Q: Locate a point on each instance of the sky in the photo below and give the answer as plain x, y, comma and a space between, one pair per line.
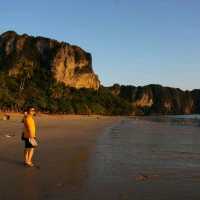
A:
132, 42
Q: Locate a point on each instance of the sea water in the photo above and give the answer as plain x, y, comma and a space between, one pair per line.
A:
193, 120
167, 147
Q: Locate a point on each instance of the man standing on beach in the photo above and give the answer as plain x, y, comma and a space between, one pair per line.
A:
29, 137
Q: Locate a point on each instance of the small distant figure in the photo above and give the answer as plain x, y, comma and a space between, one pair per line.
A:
29, 136
6, 117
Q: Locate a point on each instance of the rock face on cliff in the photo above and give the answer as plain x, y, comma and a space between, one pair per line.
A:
156, 99
23, 54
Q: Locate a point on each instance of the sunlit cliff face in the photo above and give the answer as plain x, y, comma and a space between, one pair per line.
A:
68, 64
145, 101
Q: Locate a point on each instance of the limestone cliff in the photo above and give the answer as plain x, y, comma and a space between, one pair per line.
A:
156, 99
32, 68
23, 54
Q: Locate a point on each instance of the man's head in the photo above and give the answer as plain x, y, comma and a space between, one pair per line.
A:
31, 111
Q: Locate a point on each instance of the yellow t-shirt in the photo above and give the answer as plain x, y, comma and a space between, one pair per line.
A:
29, 125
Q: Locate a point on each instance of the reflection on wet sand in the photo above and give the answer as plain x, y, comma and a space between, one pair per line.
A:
139, 159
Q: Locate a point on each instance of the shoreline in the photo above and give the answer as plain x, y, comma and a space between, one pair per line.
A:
64, 115
97, 115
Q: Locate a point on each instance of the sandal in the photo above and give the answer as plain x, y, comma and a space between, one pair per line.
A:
29, 164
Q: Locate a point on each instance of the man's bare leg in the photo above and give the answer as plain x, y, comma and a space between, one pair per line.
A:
30, 155
26, 155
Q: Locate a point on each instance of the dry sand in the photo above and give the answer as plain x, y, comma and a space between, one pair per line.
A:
101, 158
65, 146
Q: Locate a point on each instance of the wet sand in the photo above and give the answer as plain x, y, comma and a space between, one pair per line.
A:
139, 159
103, 158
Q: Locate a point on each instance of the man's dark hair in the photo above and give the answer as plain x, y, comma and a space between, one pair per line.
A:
29, 108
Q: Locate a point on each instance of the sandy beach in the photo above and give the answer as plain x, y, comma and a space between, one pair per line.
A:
95, 157
65, 146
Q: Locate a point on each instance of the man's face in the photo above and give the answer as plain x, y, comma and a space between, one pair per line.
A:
32, 111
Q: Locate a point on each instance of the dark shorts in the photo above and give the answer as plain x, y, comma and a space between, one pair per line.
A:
28, 144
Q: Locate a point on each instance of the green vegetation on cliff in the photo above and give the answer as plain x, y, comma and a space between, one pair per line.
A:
47, 95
